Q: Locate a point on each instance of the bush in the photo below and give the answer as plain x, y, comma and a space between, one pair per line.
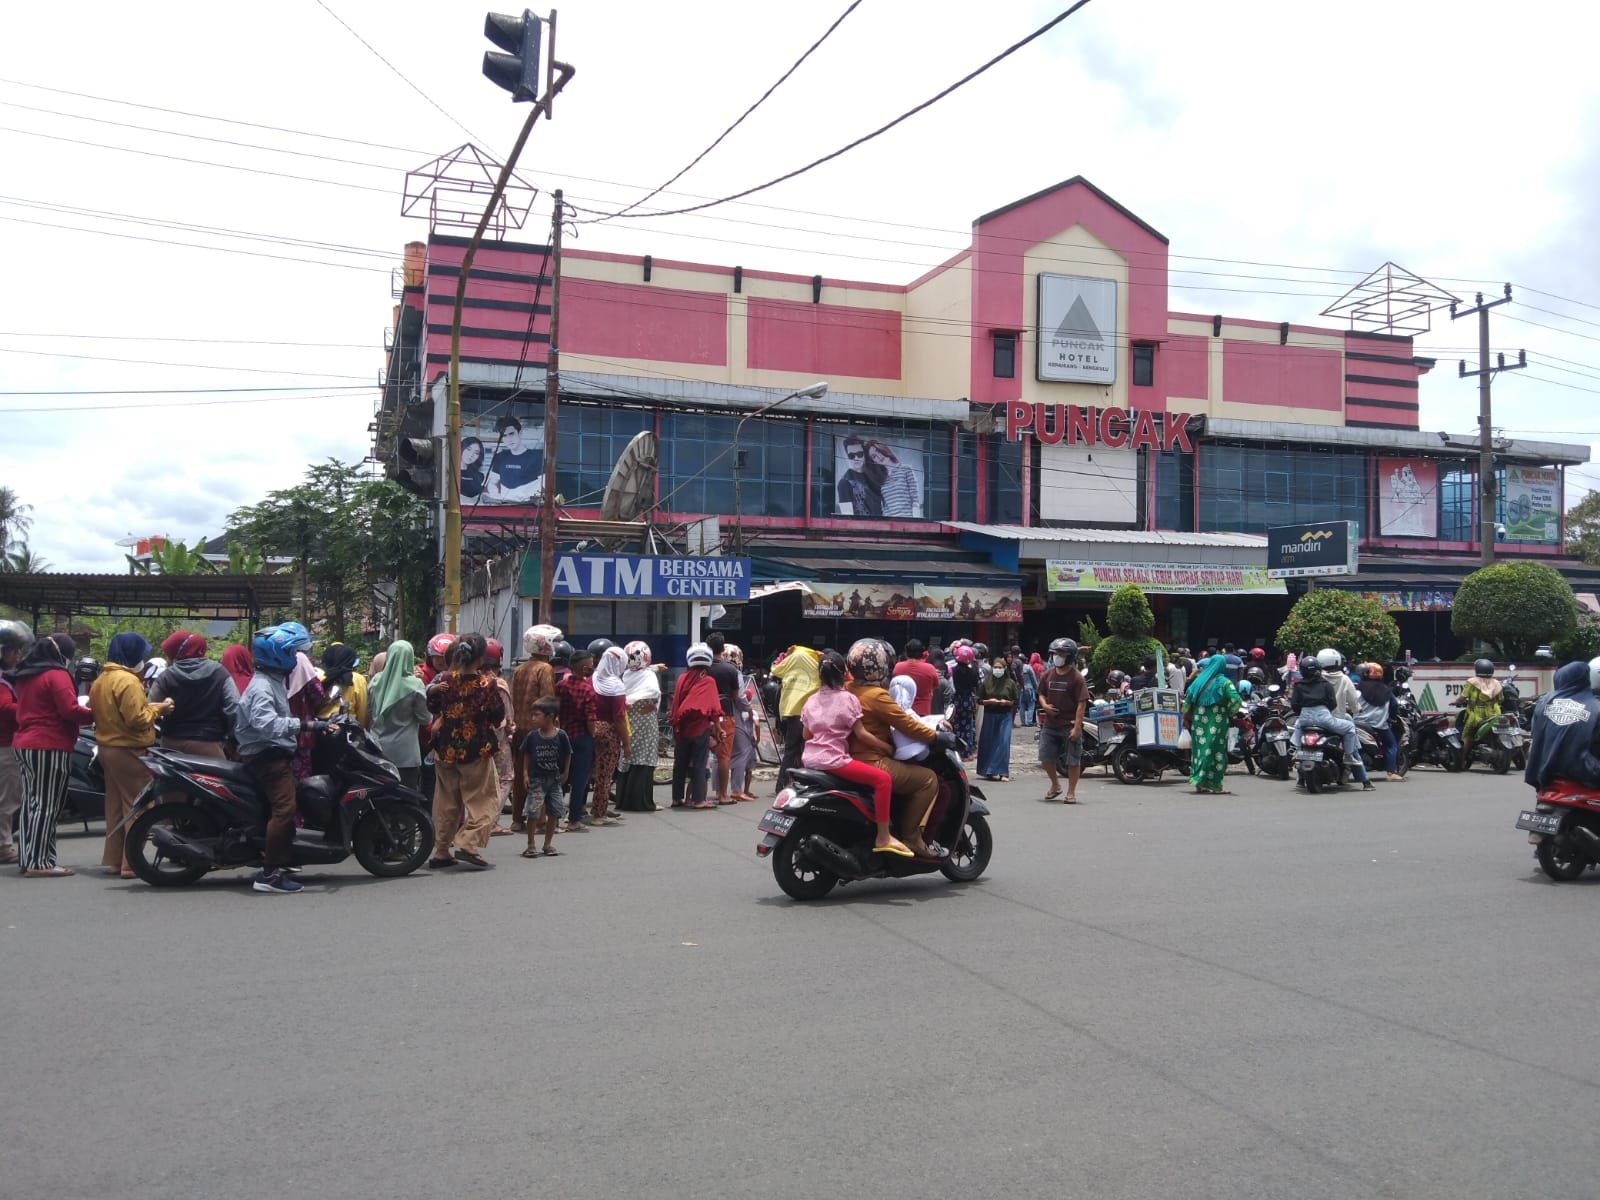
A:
1359, 629
1516, 607
1089, 634
1116, 653
1128, 613
1582, 644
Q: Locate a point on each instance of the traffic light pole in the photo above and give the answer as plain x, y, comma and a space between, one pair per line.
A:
552, 390
452, 420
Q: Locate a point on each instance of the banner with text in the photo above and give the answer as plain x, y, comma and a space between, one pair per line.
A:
860, 601
1533, 510
1071, 575
968, 603
638, 577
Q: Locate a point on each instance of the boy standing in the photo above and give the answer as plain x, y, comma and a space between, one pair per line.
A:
547, 752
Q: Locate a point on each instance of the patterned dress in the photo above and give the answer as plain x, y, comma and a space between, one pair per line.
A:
1208, 738
964, 713
644, 746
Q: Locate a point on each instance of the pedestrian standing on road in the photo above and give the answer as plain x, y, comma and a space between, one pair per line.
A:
507, 733
964, 717
577, 698
944, 692
468, 712
203, 694
921, 672
548, 753
268, 734
48, 719
399, 706
1028, 708
532, 681
306, 699
696, 719
124, 726
1063, 700
997, 695
16, 639
1208, 707
339, 663
726, 676
610, 730
796, 670
636, 793
237, 662
741, 765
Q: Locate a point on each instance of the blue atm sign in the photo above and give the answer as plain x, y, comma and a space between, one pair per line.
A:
637, 577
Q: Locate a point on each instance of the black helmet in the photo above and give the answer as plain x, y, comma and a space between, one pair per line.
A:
1484, 668
1256, 676
1115, 678
561, 653
599, 646
15, 635
1310, 668
86, 670
1065, 646
980, 649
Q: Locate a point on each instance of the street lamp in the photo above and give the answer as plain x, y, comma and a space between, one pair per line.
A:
815, 392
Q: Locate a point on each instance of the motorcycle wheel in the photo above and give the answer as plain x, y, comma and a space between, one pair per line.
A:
1557, 860
797, 877
1311, 781
1127, 767
146, 859
1249, 762
1449, 761
971, 853
392, 843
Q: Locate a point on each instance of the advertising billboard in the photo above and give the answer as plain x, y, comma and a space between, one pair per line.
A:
1325, 548
1533, 507
1179, 579
1408, 497
876, 477
860, 601
502, 460
1077, 329
968, 603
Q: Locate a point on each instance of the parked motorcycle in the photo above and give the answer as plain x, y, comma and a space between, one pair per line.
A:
206, 814
819, 832
1133, 763
1102, 739
1435, 740
1564, 827
1242, 741
1273, 751
86, 783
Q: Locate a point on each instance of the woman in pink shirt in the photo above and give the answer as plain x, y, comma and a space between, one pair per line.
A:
48, 719
829, 719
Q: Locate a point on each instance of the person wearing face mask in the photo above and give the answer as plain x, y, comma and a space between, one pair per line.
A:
1063, 700
997, 696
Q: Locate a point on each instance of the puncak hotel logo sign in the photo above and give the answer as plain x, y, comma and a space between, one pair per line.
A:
1086, 425
1077, 329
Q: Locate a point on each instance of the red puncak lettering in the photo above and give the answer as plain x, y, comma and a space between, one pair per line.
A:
1175, 433
1113, 427
1144, 431
1042, 429
1019, 416
1080, 426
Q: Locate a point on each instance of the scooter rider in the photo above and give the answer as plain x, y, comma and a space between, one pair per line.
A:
1314, 700
1480, 698
869, 661
1566, 730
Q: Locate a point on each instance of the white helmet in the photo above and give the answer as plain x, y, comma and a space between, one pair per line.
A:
1594, 674
699, 655
1330, 659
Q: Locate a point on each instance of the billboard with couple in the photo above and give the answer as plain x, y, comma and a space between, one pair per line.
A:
876, 478
502, 461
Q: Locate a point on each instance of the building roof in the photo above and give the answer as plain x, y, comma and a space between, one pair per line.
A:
1135, 537
1400, 440
197, 595
1075, 181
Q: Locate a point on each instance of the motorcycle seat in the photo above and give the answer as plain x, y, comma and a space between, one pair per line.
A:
827, 781
224, 767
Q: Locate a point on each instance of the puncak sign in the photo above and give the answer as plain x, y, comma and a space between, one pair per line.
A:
1086, 425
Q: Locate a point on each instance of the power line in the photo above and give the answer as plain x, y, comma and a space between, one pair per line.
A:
353, 387
150, 362
839, 20
141, 337
401, 74
55, 408
882, 129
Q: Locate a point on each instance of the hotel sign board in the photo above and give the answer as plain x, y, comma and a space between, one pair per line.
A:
1325, 548
1077, 329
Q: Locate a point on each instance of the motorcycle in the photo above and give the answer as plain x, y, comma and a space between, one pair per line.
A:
1101, 740
1498, 743
199, 815
1273, 750
1435, 740
1242, 741
1564, 827
819, 832
1132, 763
86, 783
1319, 760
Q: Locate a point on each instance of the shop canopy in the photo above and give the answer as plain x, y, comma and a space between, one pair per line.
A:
219, 597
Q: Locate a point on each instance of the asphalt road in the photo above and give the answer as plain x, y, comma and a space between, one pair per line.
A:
1149, 995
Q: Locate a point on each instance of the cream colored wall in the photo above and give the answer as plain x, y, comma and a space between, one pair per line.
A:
1216, 404
1075, 251
936, 339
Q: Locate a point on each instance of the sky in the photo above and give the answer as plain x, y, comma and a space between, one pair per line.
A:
1299, 146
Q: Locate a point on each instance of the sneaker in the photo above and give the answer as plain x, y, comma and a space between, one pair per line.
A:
276, 881
1366, 786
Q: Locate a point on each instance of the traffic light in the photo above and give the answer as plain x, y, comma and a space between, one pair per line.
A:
416, 468
518, 69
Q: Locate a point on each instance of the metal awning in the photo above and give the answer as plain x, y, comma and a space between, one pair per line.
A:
220, 597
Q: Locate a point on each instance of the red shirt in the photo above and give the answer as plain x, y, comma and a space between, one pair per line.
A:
578, 706
8, 713
926, 676
48, 713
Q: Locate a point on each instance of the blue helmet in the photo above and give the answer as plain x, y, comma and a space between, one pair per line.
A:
275, 646
1245, 688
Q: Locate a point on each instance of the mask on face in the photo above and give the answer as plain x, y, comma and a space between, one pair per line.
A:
1059, 660
999, 670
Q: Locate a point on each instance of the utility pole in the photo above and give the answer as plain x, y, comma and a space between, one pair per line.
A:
552, 391
1485, 374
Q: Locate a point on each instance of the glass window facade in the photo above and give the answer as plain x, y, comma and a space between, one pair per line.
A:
1005, 481
697, 465
591, 439
1247, 489
1174, 490
894, 471
1456, 507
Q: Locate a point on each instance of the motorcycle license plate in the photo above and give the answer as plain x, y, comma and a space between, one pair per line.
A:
1307, 758
776, 822
1538, 822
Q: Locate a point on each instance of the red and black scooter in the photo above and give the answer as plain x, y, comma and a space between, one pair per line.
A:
819, 831
1564, 827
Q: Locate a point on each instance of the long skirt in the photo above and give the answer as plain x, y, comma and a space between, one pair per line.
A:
964, 720
1208, 747
994, 743
744, 750
636, 792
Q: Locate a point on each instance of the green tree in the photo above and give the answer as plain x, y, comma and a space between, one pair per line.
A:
15, 522
1582, 644
1583, 529
243, 561
1359, 629
1088, 633
1130, 620
1515, 607
24, 561
174, 558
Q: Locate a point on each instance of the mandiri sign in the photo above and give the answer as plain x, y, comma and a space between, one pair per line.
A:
638, 577
1326, 548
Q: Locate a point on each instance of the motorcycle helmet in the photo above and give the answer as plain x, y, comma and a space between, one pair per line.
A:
275, 646
1594, 674
536, 644
599, 646
699, 655
152, 670
15, 635
491, 654
1245, 688
981, 649
1115, 679
1483, 668
1067, 648
1371, 670
561, 653
439, 644
549, 632
964, 654
1256, 676
85, 670
867, 661
1258, 654
1310, 668
638, 655
1329, 659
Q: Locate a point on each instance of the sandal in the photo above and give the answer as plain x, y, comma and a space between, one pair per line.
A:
468, 859
549, 852
530, 852
439, 863
1053, 794
503, 831
703, 804
49, 873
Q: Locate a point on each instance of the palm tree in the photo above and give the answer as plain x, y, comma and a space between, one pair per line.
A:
14, 520
26, 562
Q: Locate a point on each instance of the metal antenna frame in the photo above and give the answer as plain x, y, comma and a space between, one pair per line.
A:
451, 190
1391, 300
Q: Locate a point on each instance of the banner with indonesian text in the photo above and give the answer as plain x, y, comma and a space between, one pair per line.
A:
1073, 575
879, 601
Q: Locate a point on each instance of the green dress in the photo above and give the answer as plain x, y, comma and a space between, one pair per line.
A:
1208, 738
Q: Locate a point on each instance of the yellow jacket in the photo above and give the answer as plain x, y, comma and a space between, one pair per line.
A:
798, 671
122, 715
354, 696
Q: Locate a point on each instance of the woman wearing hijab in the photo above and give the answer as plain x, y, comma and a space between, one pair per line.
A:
1209, 703
610, 730
998, 696
48, 719
124, 726
237, 662
741, 765
305, 701
643, 696
398, 704
203, 695
964, 678
1031, 672
696, 718
339, 664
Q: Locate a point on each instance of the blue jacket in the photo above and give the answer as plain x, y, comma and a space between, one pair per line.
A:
1566, 732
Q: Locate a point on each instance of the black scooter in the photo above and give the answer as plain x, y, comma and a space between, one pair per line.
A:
206, 814
819, 831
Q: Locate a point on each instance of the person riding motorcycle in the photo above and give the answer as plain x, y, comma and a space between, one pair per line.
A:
1314, 700
1479, 700
1566, 730
1116, 683
869, 661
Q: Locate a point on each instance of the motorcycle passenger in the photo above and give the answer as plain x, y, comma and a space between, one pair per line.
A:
1566, 730
1480, 700
204, 698
1116, 684
1313, 702
339, 663
1063, 700
835, 733
1146, 676
1377, 706
268, 736
869, 661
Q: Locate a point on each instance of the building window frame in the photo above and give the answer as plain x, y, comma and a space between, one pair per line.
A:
1004, 353
1143, 373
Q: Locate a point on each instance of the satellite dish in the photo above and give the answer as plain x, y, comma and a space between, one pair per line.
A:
632, 485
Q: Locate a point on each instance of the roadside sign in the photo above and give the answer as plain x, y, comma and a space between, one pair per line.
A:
1324, 548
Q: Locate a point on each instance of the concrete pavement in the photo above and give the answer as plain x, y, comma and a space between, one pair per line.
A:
1150, 994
